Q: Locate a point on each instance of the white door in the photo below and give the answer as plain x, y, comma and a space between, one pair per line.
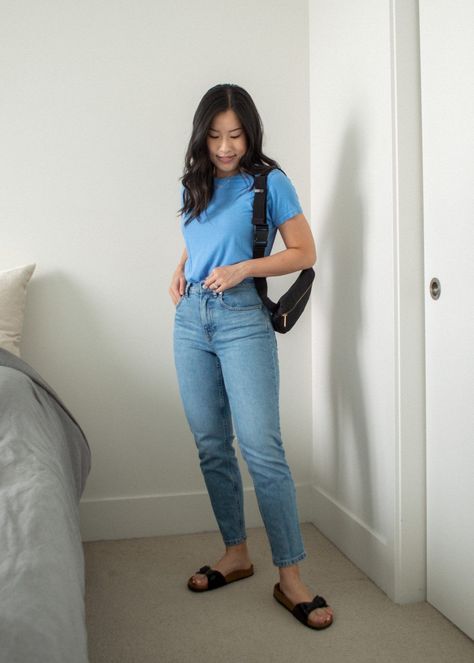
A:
447, 99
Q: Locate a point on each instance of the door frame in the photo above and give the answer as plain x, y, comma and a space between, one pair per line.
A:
409, 583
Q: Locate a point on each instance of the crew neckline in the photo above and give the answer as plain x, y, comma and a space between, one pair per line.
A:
229, 177
231, 180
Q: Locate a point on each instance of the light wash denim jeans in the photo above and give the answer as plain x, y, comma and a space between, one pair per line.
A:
227, 366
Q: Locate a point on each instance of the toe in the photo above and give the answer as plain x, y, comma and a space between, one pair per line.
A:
320, 617
199, 579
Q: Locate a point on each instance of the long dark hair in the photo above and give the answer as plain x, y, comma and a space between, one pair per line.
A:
198, 177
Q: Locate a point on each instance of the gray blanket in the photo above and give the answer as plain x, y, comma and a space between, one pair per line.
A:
44, 463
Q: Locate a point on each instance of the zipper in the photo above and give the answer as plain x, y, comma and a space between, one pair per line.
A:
297, 301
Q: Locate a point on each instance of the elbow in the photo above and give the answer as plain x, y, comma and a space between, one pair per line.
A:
309, 260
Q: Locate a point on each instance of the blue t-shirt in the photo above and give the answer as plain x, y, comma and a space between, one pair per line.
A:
223, 233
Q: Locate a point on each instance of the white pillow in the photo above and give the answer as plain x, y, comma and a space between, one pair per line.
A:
13, 284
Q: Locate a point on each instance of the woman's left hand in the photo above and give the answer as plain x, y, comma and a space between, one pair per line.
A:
222, 278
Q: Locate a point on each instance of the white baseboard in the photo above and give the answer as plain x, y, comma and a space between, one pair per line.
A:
188, 513
367, 549
161, 515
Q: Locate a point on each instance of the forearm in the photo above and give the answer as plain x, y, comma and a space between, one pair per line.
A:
283, 262
182, 260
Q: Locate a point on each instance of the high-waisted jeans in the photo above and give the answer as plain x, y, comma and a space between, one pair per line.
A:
227, 366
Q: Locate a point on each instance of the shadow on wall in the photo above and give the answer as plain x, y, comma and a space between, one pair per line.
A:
342, 245
112, 378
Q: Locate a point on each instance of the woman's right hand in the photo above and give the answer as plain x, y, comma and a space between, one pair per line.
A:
177, 286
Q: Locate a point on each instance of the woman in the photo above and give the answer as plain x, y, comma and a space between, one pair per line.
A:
224, 344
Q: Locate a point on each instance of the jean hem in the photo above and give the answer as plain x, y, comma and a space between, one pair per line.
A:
290, 562
235, 542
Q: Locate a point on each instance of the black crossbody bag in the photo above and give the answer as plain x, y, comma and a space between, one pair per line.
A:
286, 311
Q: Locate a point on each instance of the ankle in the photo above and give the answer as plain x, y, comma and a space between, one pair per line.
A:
239, 550
289, 573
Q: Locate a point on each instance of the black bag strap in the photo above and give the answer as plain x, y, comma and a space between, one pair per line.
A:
260, 231
260, 235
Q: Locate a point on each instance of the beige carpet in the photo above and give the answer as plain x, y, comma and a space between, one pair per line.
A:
139, 610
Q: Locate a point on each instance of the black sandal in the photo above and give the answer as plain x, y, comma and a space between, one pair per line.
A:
215, 578
301, 610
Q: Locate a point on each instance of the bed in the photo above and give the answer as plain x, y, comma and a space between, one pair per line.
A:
44, 463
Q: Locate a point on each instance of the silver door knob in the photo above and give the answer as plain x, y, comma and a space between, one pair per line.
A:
435, 288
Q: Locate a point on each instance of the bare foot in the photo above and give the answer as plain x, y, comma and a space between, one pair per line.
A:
298, 592
231, 561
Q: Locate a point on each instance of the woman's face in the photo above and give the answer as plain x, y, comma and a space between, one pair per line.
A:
226, 142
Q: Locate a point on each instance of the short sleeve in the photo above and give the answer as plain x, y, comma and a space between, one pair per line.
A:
282, 200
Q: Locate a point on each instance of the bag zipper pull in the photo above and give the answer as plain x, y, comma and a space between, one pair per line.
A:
294, 305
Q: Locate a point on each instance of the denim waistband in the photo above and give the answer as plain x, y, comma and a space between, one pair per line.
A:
198, 288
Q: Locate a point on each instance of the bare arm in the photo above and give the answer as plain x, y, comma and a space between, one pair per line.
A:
178, 282
300, 253
183, 259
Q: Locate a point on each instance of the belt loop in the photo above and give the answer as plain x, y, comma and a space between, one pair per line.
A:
186, 291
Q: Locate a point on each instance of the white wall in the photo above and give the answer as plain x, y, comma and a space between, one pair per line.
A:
97, 104
368, 473
95, 117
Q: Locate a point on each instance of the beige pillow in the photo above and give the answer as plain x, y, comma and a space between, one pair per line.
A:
13, 284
